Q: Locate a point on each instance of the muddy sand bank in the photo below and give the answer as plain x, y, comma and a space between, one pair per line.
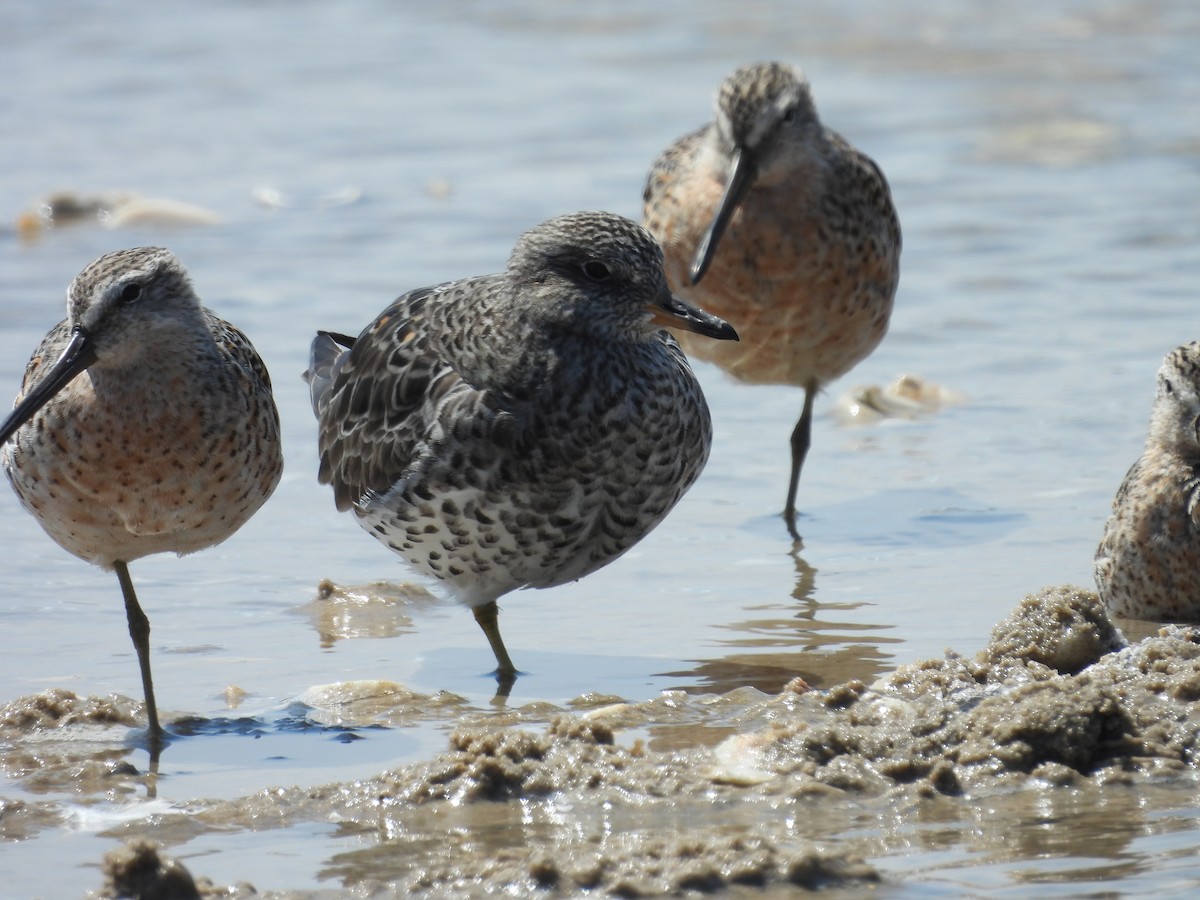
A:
1058, 716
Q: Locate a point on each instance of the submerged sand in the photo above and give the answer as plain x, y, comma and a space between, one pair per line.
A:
1058, 715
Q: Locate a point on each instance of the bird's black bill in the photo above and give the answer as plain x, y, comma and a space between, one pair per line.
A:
741, 174
80, 354
671, 312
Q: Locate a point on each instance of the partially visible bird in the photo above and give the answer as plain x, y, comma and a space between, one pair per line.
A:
144, 424
776, 223
1148, 563
520, 429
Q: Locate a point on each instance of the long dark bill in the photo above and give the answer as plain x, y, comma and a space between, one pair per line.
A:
78, 355
741, 176
671, 312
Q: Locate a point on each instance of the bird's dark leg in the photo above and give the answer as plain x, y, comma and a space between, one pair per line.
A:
488, 617
139, 630
801, 441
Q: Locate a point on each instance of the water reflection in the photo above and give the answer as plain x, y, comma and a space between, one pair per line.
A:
822, 650
1066, 836
377, 610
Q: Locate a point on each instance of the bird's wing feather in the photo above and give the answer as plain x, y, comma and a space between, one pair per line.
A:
237, 349
664, 170
860, 175
375, 400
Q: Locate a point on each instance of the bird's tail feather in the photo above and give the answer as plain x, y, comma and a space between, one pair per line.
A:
325, 358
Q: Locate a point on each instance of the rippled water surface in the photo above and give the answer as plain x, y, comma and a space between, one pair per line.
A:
1045, 161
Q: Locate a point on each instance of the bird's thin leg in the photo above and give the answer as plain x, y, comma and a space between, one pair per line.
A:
488, 617
801, 441
139, 630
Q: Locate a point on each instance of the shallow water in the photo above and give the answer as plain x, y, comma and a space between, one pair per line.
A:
1045, 165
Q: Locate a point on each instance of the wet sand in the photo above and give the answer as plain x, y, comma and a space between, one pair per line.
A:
1058, 725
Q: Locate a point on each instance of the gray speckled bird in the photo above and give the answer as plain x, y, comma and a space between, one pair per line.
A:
776, 223
145, 424
520, 429
1148, 562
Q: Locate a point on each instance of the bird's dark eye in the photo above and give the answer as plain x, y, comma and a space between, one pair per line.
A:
130, 293
596, 271
1167, 389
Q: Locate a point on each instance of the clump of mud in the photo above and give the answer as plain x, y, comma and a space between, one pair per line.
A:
139, 871
1057, 694
57, 708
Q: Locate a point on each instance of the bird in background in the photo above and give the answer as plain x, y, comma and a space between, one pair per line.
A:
520, 429
1148, 563
145, 424
777, 224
